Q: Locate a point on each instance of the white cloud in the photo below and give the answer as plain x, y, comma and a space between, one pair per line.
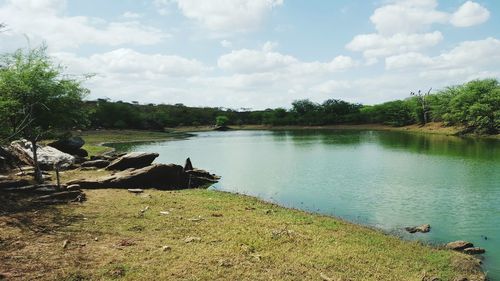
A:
376, 45
131, 15
469, 14
407, 16
130, 62
267, 60
226, 15
44, 20
408, 60
226, 44
403, 26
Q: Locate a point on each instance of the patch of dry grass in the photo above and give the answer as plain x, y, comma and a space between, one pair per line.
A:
206, 235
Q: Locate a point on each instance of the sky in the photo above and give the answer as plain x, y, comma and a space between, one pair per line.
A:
260, 53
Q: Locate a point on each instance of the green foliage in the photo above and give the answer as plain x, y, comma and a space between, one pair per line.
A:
36, 99
221, 120
475, 105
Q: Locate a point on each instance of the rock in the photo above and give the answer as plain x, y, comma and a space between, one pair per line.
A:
71, 146
474, 250
158, 176
47, 156
192, 239
65, 243
133, 160
96, 163
135, 190
166, 248
62, 197
188, 166
73, 187
422, 228
11, 183
459, 245
222, 128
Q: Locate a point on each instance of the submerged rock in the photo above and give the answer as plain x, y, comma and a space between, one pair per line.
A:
422, 228
134, 160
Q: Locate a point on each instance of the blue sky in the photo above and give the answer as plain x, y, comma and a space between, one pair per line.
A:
261, 53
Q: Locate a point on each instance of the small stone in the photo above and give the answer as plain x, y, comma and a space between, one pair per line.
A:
422, 228
73, 187
145, 209
65, 243
96, 239
192, 239
135, 190
474, 251
166, 248
164, 213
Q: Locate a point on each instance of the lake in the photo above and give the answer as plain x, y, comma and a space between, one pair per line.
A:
388, 180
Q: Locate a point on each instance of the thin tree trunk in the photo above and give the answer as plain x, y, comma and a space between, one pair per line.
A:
38, 172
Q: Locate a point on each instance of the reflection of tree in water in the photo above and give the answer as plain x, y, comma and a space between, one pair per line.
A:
441, 145
338, 137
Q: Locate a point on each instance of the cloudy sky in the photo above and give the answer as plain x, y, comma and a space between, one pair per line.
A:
261, 53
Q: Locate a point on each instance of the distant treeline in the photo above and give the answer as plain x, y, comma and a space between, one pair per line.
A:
474, 105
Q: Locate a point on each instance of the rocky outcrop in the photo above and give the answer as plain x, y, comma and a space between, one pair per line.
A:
71, 146
474, 251
459, 245
96, 163
465, 247
158, 176
47, 155
422, 228
134, 160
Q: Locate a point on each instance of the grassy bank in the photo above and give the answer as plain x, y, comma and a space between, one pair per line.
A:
206, 235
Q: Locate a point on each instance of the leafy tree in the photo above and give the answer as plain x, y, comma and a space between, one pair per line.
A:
221, 120
475, 105
36, 99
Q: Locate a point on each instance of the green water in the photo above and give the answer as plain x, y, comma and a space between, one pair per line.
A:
384, 179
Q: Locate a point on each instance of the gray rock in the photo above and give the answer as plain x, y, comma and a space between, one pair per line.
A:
158, 176
474, 251
71, 146
459, 245
422, 228
133, 160
96, 163
73, 187
47, 155
135, 190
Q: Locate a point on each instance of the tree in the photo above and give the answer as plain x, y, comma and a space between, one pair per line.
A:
221, 120
424, 105
36, 99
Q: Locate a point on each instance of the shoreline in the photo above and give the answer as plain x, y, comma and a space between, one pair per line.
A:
431, 128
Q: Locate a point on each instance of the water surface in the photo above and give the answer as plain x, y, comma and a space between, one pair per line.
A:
385, 179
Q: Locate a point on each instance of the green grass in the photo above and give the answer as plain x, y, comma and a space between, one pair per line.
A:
241, 238
94, 140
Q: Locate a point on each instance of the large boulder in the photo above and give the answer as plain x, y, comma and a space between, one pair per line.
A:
134, 160
47, 155
459, 245
158, 176
71, 146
